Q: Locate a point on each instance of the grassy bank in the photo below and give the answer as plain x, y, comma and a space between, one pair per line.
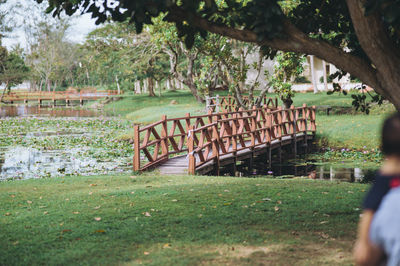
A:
350, 131
177, 220
145, 109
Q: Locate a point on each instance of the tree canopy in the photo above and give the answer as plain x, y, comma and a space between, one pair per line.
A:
360, 37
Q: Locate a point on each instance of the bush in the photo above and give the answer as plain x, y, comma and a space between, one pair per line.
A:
301, 79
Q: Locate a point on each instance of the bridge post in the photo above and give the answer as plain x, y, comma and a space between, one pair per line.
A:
217, 104
253, 128
279, 132
313, 125
269, 157
268, 137
164, 136
292, 116
304, 127
136, 148
251, 163
192, 159
215, 146
187, 121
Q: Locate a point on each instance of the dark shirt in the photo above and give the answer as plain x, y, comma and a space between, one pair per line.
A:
379, 189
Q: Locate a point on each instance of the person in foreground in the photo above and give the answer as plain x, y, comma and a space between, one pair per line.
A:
379, 226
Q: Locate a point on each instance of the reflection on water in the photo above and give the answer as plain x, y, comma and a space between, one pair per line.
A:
25, 163
26, 110
324, 171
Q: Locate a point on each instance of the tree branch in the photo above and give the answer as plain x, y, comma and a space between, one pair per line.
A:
294, 40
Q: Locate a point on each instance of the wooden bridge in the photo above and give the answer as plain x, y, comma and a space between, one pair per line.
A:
203, 144
53, 97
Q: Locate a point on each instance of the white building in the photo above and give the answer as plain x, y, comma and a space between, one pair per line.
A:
317, 71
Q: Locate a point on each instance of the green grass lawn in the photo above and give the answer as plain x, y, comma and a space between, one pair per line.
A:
147, 109
350, 131
322, 98
177, 220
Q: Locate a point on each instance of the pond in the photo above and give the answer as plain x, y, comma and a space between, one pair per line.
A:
311, 168
37, 147
24, 163
45, 111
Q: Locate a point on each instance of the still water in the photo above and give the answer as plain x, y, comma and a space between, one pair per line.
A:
312, 169
43, 111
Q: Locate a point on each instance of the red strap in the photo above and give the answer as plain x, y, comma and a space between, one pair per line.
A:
395, 182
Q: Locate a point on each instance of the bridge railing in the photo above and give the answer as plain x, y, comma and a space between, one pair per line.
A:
246, 132
155, 143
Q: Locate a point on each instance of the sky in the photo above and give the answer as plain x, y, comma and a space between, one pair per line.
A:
81, 26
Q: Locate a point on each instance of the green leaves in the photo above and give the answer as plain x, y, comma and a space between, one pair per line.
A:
390, 10
264, 18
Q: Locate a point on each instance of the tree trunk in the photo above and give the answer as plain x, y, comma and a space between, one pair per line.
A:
171, 85
287, 102
188, 80
116, 80
380, 49
4, 91
145, 85
54, 86
151, 87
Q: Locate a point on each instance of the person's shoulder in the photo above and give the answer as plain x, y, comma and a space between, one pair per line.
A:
392, 181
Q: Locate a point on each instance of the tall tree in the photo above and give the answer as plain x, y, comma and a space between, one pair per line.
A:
212, 62
288, 66
114, 53
50, 55
360, 37
13, 71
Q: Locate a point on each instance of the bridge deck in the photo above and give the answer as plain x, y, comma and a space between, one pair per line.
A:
179, 164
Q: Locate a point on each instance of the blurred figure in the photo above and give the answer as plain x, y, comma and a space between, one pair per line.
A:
373, 243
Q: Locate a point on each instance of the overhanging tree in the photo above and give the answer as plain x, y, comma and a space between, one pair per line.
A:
360, 37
